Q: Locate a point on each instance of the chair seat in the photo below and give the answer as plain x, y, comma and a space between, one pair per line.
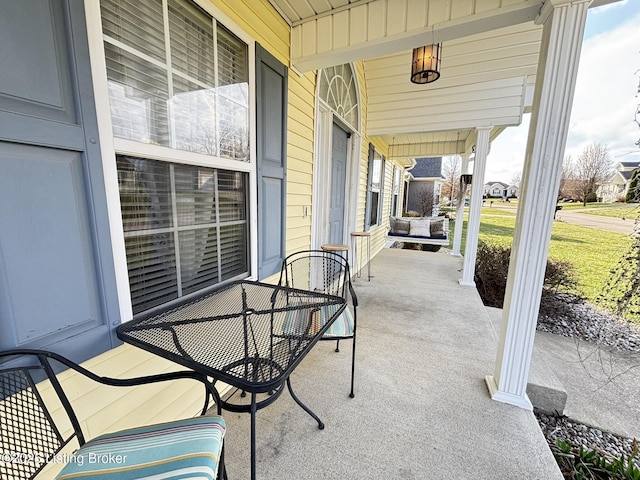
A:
188, 448
342, 326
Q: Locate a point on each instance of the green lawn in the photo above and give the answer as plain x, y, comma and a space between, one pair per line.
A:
625, 210
593, 252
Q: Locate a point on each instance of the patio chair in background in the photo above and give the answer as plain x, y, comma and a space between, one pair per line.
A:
328, 273
30, 438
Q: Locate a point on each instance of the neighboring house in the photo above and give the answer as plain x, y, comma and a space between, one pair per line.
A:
425, 186
150, 150
513, 191
495, 190
617, 185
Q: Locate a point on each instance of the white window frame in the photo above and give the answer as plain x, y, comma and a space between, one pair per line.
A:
395, 190
377, 156
110, 146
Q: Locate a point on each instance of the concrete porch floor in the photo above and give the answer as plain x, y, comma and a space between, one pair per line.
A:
421, 410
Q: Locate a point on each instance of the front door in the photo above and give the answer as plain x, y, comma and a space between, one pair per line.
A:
338, 178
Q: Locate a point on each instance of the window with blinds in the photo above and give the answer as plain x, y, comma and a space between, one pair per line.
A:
179, 79
374, 197
176, 77
185, 228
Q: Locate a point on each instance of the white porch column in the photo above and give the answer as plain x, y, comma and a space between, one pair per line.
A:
473, 224
457, 235
557, 69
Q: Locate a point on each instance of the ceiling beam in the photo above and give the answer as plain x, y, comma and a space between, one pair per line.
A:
378, 27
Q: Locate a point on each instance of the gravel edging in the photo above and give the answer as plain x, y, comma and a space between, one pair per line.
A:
570, 316
563, 428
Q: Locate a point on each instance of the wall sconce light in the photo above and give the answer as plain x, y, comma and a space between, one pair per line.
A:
425, 67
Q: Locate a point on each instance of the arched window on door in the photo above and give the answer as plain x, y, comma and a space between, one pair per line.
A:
338, 90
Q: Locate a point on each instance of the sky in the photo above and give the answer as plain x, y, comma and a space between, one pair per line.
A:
605, 99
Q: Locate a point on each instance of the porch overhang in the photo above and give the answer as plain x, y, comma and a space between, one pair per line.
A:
365, 29
490, 57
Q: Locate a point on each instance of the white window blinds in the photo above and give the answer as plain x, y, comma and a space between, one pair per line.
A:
185, 228
184, 86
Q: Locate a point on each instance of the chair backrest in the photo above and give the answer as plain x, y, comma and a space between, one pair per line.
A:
29, 437
317, 271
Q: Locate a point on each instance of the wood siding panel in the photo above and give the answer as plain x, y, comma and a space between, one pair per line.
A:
416, 13
439, 11
326, 31
397, 18
340, 30
376, 22
357, 23
462, 8
485, 5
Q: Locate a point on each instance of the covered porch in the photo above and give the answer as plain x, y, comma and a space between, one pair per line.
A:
422, 408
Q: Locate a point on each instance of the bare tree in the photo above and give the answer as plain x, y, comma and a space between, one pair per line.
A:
425, 197
565, 177
591, 168
451, 170
516, 180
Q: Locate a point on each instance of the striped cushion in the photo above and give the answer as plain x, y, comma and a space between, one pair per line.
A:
342, 327
302, 321
176, 450
297, 321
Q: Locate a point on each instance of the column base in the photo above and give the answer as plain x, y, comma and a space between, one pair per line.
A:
467, 284
503, 397
456, 254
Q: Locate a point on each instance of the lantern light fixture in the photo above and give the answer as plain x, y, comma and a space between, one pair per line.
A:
425, 67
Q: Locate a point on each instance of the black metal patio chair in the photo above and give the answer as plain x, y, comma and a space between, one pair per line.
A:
30, 438
328, 273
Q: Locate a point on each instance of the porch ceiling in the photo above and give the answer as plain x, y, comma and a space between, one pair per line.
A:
486, 80
490, 56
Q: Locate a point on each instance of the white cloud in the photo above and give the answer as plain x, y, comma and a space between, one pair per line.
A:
604, 105
608, 6
605, 98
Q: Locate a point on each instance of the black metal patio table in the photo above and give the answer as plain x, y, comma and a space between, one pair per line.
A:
247, 334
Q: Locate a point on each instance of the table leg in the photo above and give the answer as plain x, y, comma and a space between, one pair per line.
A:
357, 260
368, 258
304, 407
253, 436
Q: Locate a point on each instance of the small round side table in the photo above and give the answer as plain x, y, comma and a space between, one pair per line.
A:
336, 247
358, 258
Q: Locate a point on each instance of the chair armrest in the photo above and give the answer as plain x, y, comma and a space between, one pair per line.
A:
352, 292
45, 357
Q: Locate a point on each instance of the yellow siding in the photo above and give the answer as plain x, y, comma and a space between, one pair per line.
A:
103, 409
262, 22
300, 150
378, 234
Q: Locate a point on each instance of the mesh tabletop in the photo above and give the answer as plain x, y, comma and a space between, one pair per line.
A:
247, 334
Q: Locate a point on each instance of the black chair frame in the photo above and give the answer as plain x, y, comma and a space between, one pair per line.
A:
20, 371
336, 280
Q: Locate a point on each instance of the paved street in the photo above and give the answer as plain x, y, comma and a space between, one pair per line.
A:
576, 217
609, 224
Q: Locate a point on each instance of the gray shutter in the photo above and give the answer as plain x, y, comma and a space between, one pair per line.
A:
367, 213
381, 194
271, 89
57, 279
